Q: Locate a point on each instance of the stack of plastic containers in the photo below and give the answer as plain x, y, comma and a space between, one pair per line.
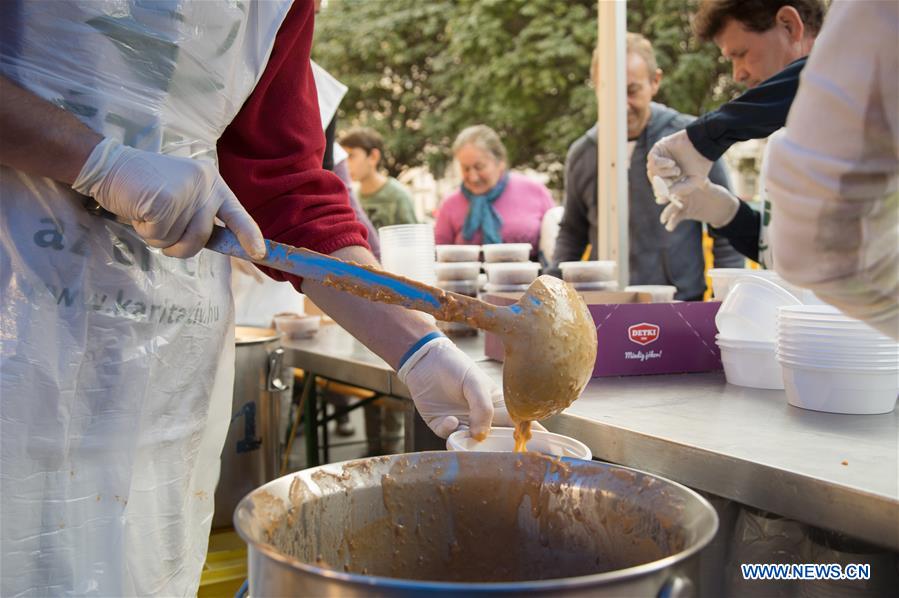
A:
747, 323
508, 268
458, 269
835, 363
408, 250
591, 276
506, 252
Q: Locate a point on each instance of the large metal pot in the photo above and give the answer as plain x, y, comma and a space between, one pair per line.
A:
473, 523
252, 451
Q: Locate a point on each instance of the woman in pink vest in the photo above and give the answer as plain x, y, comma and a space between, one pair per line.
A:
493, 205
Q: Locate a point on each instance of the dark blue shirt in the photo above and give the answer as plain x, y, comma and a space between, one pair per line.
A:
754, 115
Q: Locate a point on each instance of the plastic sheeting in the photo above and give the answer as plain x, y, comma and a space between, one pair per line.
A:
117, 362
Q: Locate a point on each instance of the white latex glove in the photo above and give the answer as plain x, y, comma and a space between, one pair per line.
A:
709, 203
450, 390
171, 202
676, 161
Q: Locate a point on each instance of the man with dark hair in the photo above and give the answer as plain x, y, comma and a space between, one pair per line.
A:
768, 42
656, 256
384, 199
714, 16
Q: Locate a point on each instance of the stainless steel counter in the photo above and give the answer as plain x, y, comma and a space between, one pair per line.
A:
834, 471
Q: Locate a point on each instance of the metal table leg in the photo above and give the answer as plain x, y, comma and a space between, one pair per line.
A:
409, 428
323, 424
310, 416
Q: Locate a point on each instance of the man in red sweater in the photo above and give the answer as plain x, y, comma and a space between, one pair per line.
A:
109, 409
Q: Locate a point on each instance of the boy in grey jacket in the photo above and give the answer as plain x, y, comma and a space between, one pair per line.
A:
656, 255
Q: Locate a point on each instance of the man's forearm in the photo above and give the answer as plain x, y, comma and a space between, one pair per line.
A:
388, 330
40, 138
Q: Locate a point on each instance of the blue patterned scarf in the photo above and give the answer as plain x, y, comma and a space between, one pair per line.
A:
482, 215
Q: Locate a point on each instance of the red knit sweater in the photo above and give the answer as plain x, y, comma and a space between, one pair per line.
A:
271, 153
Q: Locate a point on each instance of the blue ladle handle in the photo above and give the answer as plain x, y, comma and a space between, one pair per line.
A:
365, 281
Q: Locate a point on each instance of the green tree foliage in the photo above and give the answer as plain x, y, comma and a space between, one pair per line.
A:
420, 71
695, 76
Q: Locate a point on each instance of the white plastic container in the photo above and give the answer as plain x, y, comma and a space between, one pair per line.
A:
848, 391
458, 270
408, 250
824, 316
815, 329
512, 272
821, 314
723, 280
501, 440
836, 347
506, 252
823, 332
584, 272
749, 312
750, 364
297, 326
829, 362
661, 293
458, 253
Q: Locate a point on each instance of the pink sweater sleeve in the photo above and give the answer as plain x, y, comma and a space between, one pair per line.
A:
447, 214
548, 201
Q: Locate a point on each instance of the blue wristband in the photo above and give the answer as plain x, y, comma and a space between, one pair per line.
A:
418, 345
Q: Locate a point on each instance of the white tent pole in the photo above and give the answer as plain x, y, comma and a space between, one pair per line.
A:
612, 237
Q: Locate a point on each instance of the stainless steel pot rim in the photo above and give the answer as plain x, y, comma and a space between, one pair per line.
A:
251, 335
568, 582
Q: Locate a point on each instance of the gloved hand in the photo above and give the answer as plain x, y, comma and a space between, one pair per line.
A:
450, 390
171, 202
708, 203
674, 159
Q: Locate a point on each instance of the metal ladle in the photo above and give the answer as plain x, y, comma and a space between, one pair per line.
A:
548, 334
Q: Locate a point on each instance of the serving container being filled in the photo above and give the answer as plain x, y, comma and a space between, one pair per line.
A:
473, 523
502, 440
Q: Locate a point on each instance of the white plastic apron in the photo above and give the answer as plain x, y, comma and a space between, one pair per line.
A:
766, 255
116, 362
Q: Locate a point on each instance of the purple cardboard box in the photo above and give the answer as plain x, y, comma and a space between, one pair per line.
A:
637, 337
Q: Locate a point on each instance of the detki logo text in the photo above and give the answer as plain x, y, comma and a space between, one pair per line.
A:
643, 333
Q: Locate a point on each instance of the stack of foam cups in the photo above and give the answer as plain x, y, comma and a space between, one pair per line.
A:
835, 363
458, 269
408, 250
